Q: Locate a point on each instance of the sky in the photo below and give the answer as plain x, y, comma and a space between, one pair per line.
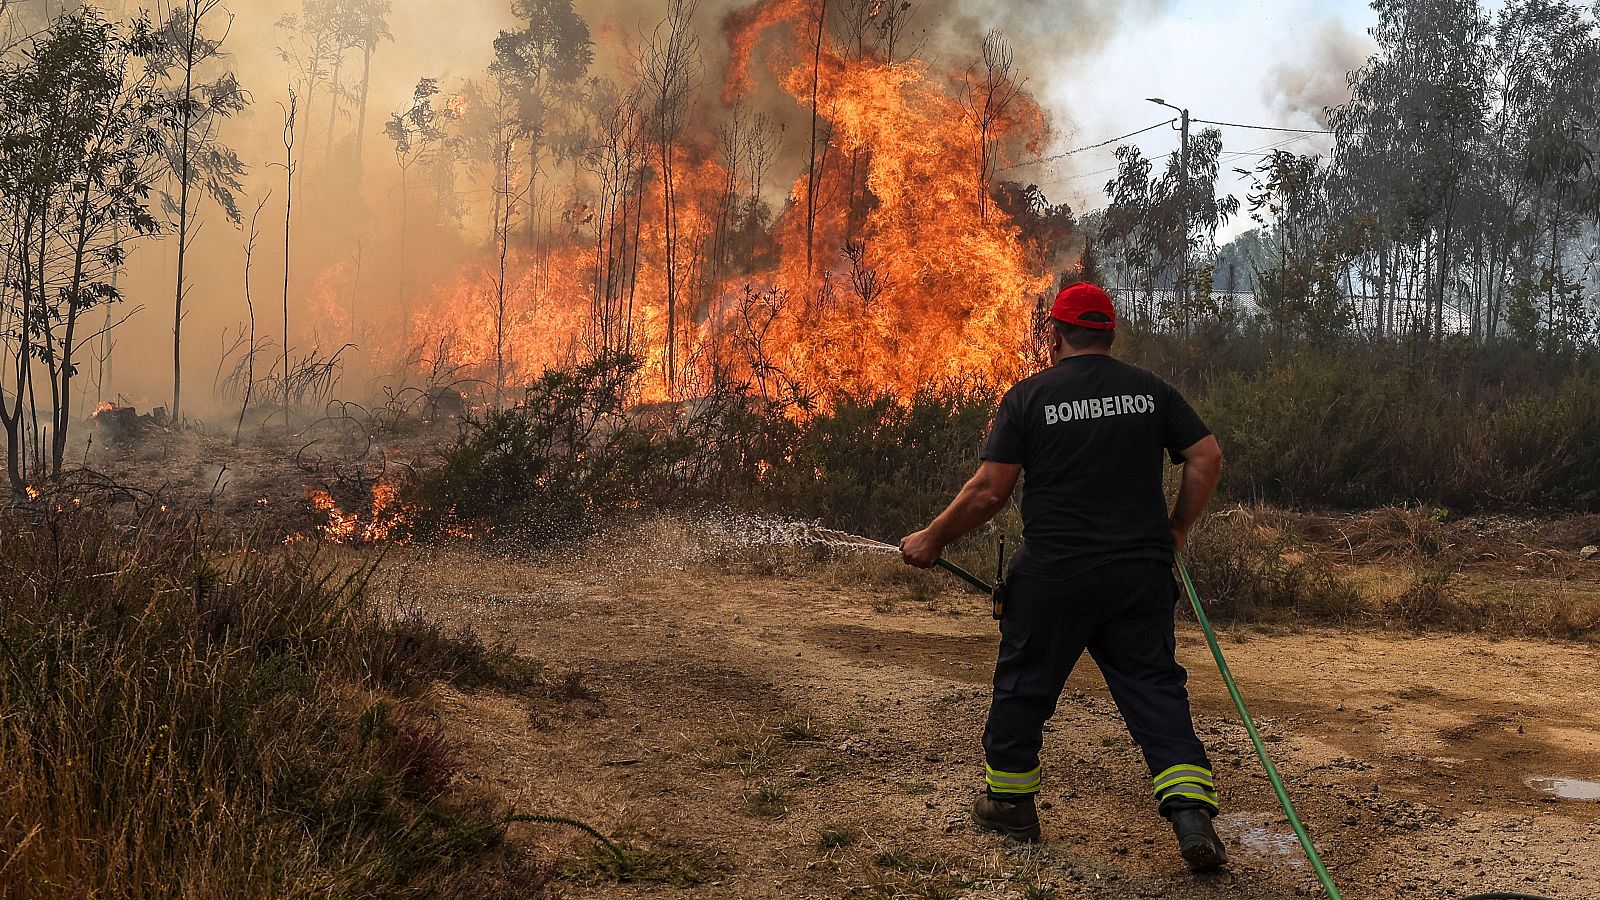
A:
1247, 61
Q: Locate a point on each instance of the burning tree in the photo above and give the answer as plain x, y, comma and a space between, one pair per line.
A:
989, 99
669, 67
668, 219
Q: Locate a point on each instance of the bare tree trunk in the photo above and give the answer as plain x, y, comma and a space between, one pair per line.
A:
670, 216
34, 460
288, 223
505, 202
333, 102
361, 114
533, 180
813, 176
250, 308
633, 271
191, 12
1445, 247
61, 385
405, 286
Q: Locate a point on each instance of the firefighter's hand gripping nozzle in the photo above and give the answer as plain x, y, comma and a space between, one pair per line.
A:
1000, 582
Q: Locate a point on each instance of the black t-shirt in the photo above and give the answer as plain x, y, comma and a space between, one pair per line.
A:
1089, 433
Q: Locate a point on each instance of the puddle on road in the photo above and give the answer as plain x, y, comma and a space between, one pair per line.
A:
1564, 788
1262, 839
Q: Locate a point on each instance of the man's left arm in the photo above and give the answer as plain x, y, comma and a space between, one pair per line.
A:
984, 495
1202, 467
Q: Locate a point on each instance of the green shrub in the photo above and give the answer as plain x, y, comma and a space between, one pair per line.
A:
1357, 430
879, 466
1354, 426
571, 453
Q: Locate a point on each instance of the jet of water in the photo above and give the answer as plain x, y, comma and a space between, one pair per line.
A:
743, 530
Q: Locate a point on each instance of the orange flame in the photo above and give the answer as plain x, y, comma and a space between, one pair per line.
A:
387, 515
912, 279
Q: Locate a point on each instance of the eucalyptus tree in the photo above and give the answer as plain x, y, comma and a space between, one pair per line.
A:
313, 43
185, 59
1409, 155
1299, 280
542, 67
1554, 101
423, 133
1155, 222
364, 25
81, 152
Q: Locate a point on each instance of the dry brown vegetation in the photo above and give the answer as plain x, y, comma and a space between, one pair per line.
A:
1416, 567
180, 718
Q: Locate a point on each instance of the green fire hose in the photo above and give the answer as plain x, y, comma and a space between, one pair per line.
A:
964, 575
1255, 736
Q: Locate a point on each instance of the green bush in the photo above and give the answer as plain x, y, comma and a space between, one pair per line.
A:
1354, 430
879, 466
1355, 426
572, 452
575, 454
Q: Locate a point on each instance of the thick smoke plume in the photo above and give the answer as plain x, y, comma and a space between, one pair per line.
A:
1303, 89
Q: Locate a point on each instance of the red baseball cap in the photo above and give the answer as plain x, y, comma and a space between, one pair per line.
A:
1077, 299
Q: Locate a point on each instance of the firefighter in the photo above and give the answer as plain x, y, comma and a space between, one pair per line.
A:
1095, 571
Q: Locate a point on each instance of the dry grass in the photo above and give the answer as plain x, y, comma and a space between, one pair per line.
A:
176, 721
1247, 567
1397, 566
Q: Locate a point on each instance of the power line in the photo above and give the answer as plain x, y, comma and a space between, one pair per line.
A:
1227, 156
1231, 155
1077, 150
1266, 127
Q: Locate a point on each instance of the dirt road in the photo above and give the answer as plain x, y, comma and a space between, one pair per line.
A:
808, 732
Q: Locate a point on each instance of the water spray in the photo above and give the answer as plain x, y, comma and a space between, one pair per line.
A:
828, 537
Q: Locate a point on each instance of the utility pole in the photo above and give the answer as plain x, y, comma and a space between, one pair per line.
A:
1183, 193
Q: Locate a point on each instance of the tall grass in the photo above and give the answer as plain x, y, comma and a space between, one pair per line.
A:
1248, 569
179, 721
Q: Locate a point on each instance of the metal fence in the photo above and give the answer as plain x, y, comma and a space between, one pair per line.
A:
1406, 314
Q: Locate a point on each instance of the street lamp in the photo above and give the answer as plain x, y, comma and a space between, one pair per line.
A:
1183, 190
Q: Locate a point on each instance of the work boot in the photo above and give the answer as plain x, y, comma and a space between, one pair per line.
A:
1016, 819
1198, 841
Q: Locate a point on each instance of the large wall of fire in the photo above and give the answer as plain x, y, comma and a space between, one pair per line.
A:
832, 214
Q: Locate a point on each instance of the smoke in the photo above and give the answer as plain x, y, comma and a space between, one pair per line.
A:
1306, 87
1045, 34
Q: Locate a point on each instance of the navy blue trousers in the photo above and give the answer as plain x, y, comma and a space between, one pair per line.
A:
1122, 613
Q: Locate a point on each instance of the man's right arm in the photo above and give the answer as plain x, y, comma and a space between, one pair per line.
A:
984, 495
1202, 467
